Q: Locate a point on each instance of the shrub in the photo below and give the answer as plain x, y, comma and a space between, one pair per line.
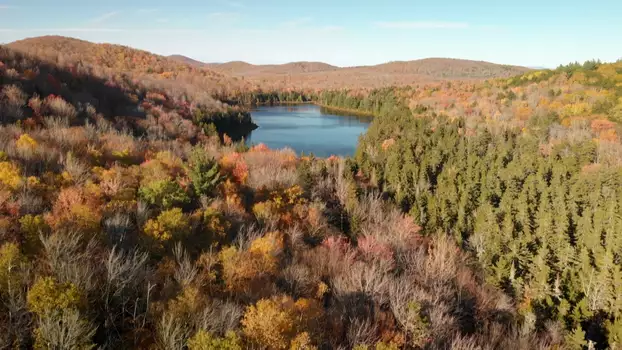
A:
76, 208
10, 175
234, 164
281, 206
31, 227
371, 248
215, 223
56, 106
220, 317
13, 95
66, 330
203, 340
77, 170
118, 182
171, 162
266, 212
270, 170
184, 306
163, 194
379, 346
171, 334
120, 146
26, 142
12, 263
418, 324
302, 342
12, 99
247, 271
35, 104
170, 224
48, 296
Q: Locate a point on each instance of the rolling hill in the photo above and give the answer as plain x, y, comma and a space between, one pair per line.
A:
238, 68
149, 80
318, 75
187, 60
210, 83
200, 83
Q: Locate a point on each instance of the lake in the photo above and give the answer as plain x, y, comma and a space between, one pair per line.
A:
308, 129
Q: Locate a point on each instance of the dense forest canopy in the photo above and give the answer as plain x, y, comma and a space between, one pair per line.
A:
474, 215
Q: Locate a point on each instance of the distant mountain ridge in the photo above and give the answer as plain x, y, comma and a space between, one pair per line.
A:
197, 78
323, 75
245, 68
188, 60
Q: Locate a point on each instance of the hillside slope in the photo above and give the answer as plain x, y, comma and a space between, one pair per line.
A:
448, 68
114, 81
199, 83
188, 60
576, 93
525, 172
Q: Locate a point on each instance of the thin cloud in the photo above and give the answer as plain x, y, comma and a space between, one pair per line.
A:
223, 16
422, 25
162, 20
235, 4
147, 11
61, 30
308, 31
329, 29
95, 30
297, 22
103, 18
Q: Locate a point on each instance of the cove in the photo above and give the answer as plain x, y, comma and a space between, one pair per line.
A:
307, 129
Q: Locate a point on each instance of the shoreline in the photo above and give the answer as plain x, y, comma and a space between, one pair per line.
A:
346, 110
355, 112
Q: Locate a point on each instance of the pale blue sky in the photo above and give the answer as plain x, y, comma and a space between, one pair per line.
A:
341, 32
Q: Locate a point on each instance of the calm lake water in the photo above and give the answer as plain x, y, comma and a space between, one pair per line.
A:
308, 129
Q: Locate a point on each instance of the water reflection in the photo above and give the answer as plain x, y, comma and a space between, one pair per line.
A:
308, 129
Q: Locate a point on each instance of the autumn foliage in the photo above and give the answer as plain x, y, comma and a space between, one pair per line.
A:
474, 215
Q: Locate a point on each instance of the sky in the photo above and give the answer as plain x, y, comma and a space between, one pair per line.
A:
543, 33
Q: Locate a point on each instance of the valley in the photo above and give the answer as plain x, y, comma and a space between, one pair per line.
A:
160, 202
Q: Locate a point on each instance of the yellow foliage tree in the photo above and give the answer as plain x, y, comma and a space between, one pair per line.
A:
245, 271
280, 323
186, 303
204, 340
169, 224
302, 342
10, 175
26, 142
47, 295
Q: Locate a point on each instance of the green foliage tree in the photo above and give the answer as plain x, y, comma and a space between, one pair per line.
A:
163, 194
204, 172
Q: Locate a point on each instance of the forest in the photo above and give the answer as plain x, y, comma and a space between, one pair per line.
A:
474, 215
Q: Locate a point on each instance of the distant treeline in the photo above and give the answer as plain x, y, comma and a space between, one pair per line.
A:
376, 102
